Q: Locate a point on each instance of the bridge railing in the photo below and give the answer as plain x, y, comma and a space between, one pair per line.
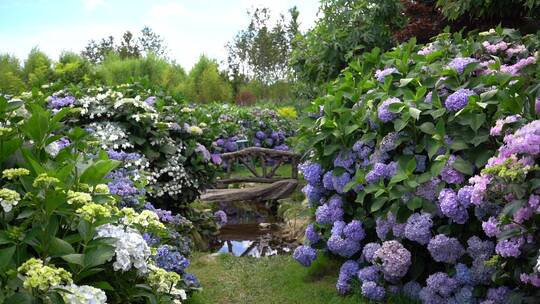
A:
269, 161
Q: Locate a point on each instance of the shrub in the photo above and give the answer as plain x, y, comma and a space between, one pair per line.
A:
11, 75
205, 84
72, 69
393, 144
65, 231
37, 69
245, 98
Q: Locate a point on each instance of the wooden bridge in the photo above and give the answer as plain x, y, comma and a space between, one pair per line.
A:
273, 188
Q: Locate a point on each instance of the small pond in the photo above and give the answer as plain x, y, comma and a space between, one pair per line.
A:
252, 232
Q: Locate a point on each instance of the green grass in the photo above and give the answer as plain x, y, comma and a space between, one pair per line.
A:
242, 171
279, 279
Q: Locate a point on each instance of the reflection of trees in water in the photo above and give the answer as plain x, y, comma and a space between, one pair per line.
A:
253, 240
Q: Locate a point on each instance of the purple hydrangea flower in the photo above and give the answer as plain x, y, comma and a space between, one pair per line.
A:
381, 74
498, 295
464, 196
170, 259
428, 190
372, 291
491, 227
312, 172
463, 275
339, 182
441, 284
460, 63
458, 100
150, 101
56, 102
450, 206
395, 259
451, 175
311, 234
354, 231
260, 135
510, 247
327, 180
305, 255
344, 159
384, 113
418, 228
221, 218
313, 193
330, 212
369, 273
368, 252
388, 142
478, 249
445, 249
412, 290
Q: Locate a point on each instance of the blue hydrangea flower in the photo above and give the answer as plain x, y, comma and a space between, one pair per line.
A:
369, 273
327, 180
313, 193
368, 252
170, 259
330, 212
339, 182
450, 206
460, 63
444, 249
458, 100
463, 275
344, 159
381, 74
305, 255
451, 175
312, 172
312, 235
372, 291
418, 228
383, 113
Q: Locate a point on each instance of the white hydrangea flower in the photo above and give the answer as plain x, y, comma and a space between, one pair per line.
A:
537, 267
83, 295
130, 248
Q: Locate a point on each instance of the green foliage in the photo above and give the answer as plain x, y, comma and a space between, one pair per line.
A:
37, 69
489, 9
72, 69
11, 75
205, 84
345, 29
352, 133
152, 69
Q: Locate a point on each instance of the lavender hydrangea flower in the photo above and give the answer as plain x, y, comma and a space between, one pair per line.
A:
312, 235
330, 212
418, 228
458, 100
344, 159
491, 227
388, 142
305, 255
463, 275
510, 247
150, 101
312, 172
451, 175
478, 249
170, 259
354, 231
381, 171
395, 259
381, 74
498, 295
340, 181
372, 291
384, 113
346, 273
445, 249
450, 206
313, 193
369, 273
327, 180
221, 218
368, 252
341, 244
56, 102
464, 196
441, 284
412, 290
428, 190
460, 63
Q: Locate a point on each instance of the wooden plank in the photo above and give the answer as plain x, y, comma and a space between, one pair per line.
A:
274, 191
274, 168
250, 179
258, 151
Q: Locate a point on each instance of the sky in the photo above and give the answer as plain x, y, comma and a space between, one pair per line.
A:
188, 27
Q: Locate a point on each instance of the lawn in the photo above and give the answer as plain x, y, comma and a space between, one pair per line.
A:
278, 279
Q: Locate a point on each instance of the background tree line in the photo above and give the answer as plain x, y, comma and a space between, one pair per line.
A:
271, 59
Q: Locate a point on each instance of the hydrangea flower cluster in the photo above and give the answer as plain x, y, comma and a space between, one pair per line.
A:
43, 277
131, 249
9, 199
345, 238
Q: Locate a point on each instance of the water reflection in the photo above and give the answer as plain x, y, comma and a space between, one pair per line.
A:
252, 240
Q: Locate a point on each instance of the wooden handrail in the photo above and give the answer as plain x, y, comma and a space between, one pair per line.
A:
263, 155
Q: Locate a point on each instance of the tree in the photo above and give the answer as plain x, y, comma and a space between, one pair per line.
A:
205, 83
261, 52
37, 69
11, 75
345, 29
130, 46
72, 68
485, 14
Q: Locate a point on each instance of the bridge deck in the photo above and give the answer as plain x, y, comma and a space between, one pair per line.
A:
274, 191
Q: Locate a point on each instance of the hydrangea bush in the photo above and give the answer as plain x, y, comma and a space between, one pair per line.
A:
397, 154
75, 226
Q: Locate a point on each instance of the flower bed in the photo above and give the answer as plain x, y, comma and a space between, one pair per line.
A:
394, 145
67, 234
